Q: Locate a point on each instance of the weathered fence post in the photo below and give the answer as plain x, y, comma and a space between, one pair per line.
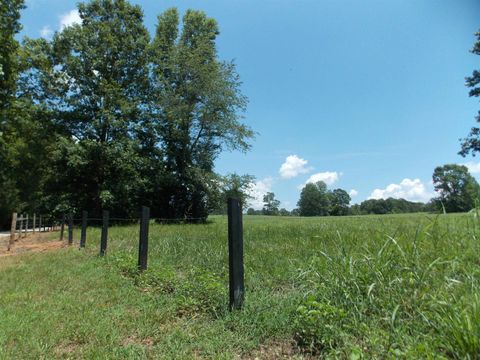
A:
40, 224
235, 253
70, 229
83, 235
103, 240
20, 227
143, 243
34, 221
26, 227
62, 227
13, 229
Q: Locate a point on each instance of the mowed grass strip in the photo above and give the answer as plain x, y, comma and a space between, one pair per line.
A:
396, 286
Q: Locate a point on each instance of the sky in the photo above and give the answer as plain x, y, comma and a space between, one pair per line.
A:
368, 96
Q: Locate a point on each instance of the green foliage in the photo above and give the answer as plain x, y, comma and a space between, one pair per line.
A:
103, 68
9, 27
271, 204
317, 200
389, 206
457, 188
25, 132
314, 200
319, 326
460, 325
196, 101
339, 202
232, 186
471, 144
284, 212
102, 116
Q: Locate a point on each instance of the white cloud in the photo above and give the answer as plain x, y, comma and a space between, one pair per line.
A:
412, 190
473, 168
70, 18
328, 177
353, 193
257, 190
46, 32
294, 166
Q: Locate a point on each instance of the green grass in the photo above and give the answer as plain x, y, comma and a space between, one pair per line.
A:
397, 286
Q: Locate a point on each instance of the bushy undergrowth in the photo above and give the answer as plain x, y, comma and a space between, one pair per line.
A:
196, 292
403, 286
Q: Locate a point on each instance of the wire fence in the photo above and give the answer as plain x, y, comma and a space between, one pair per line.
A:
20, 225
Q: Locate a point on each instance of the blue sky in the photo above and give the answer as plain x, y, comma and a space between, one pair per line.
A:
366, 95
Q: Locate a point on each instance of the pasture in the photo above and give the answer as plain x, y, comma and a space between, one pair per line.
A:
393, 286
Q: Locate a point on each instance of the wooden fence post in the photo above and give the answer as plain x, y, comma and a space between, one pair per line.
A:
70, 229
34, 222
83, 234
26, 227
62, 227
40, 224
235, 253
143, 243
13, 229
20, 227
103, 240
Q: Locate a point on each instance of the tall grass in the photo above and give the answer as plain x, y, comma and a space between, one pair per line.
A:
398, 286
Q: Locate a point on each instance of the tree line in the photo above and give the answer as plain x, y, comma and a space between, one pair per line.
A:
104, 115
457, 190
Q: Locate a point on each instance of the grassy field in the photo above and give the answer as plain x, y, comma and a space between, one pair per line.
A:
398, 286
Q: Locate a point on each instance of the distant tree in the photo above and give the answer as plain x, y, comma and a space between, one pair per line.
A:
355, 209
339, 202
314, 200
270, 204
434, 205
295, 212
387, 206
251, 211
471, 144
457, 188
374, 206
284, 212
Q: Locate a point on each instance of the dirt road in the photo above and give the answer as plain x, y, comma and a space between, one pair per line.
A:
31, 243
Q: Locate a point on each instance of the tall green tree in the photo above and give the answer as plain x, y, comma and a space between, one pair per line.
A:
457, 188
9, 27
101, 67
196, 110
339, 202
314, 200
471, 144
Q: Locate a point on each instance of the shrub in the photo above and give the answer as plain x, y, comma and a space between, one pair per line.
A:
318, 326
